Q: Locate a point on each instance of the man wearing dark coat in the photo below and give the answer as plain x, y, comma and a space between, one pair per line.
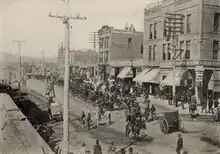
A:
97, 148
179, 143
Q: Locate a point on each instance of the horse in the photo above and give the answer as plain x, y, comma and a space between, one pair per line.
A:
134, 128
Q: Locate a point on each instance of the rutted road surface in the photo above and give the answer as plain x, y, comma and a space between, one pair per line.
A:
115, 131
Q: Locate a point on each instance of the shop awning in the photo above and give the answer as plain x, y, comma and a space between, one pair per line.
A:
141, 75
125, 73
168, 81
152, 76
214, 83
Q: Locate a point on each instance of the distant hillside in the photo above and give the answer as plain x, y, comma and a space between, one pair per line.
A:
12, 58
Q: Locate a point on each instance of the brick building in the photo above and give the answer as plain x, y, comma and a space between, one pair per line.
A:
198, 45
119, 51
83, 62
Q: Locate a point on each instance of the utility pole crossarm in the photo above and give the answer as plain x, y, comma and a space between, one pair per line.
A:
18, 41
77, 17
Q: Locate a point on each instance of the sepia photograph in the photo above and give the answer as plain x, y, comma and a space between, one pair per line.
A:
109, 77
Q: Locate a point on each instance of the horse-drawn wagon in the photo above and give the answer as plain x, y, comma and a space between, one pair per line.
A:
170, 122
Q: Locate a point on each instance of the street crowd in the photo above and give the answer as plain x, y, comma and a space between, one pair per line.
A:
108, 96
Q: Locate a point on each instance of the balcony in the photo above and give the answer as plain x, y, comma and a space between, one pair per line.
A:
187, 63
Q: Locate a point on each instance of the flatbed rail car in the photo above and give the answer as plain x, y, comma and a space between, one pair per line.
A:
18, 135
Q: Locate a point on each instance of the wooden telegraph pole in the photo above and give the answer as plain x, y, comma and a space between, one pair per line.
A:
19, 71
66, 21
94, 39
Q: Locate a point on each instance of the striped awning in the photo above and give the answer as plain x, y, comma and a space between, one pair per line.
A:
125, 73
169, 80
214, 83
141, 75
150, 76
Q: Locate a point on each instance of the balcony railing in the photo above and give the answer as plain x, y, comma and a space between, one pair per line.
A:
189, 63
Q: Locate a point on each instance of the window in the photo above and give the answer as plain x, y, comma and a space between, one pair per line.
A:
150, 53
188, 23
216, 22
164, 28
188, 47
101, 55
129, 43
215, 50
151, 32
106, 42
181, 49
142, 49
105, 57
154, 52
164, 52
155, 30
101, 42
168, 52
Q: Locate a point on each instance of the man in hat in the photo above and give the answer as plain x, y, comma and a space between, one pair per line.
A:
179, 145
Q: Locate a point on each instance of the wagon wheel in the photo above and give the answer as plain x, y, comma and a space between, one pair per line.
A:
164, 125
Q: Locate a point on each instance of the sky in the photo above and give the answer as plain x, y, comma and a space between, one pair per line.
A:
28, 20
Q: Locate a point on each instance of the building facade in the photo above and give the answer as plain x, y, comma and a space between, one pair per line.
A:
119, 48
82, 62
61, 60
197, 45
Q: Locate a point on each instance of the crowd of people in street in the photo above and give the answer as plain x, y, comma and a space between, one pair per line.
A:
135, 103
112, 149
208, 104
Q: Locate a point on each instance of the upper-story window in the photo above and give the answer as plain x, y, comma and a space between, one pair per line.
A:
215, 50
151, 31
168, 51
181, 49
164, 52
164, 28
101, 43
106, 42
142, 49
129, 42
188, 23
155, 30
154, 52
150, 53
106, 56
216, 22
188, 48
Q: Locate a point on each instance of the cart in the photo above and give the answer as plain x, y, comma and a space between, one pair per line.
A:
55, 112
171, 122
